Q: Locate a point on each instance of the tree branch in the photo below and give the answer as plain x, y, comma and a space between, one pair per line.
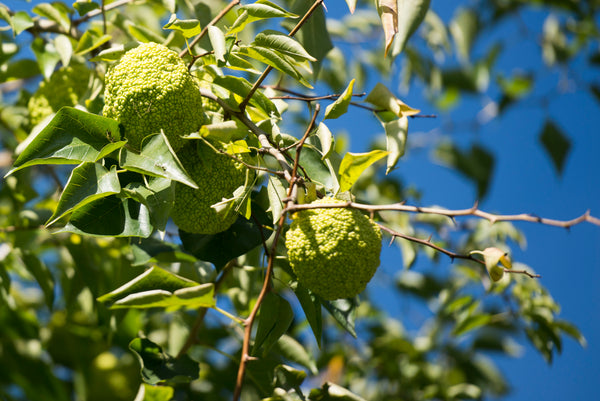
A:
473, 211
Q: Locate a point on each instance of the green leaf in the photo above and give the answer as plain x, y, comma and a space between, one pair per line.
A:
283, 44
344, 312
42, 275
64, 48
159, 367
340, 106
72, 137
312, 310
21, 21
477, 164
292, 350
464, 28
275, 59
313, 35
156, 159
225, 131
85, 6
200, 296
157, 196
326, 138
411, 14
556, 144
89, 41
275, 318
492, 256
571, 331
384, 99
353, 165
57, 12
111, 216
333, 392
396, 132
288, 378
46, 56
217, 40
152, 250
148, 392
88, 182
152, 279
243, 236
262, 9
143, 34
188, 27
471, 322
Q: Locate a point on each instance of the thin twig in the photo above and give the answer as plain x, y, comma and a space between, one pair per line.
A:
473, 211
245, 357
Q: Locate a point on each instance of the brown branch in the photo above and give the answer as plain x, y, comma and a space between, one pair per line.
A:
473, 211
217, 18
245, 357
427, 242
267, 70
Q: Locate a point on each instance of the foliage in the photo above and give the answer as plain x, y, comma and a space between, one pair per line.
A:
102, 297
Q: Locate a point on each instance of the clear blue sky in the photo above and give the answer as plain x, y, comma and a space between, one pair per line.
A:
525, 181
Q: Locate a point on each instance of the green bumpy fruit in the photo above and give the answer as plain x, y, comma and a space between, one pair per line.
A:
65, 88
217, 176
151, 89
333, 251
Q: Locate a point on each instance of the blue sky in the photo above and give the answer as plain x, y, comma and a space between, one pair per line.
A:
525, 181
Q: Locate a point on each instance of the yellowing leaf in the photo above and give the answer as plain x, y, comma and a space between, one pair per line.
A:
388, 12
492, 256
353, 164
383, 98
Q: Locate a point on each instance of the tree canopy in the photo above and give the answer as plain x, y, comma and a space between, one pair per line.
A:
102, 296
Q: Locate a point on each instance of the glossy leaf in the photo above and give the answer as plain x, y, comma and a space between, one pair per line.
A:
274, 59
261, 9
353, 165
88, 182
157, 196
72, 137
156, 159
344, 312
274, 319
188, 27
340, 106
200, 296
241, 87
159, 367
57, 12
89, 41
411, 14
556, 144
152, 279
217, 40
283, 44
111, 216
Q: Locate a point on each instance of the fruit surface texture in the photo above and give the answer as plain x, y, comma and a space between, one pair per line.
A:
150, 89
333, 251
217, 176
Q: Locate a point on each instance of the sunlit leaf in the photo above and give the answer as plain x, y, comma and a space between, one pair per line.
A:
353, 165
492, 256
154, 393
381, 97
261, 9
395, 134
283, 44
340, 106
188, 27
344, 312
72, 137
200, 296
155, 159
89, 41
157, 196
464, 28
57, 12
411, 14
